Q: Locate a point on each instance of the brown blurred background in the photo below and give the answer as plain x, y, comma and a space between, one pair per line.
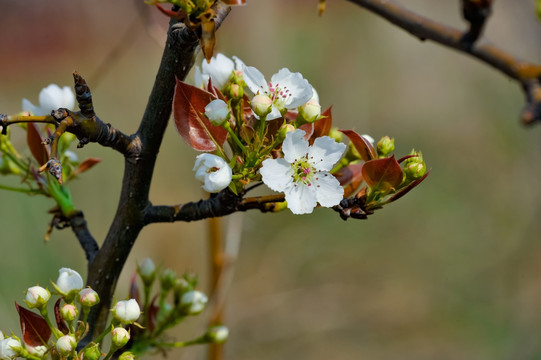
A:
451, 271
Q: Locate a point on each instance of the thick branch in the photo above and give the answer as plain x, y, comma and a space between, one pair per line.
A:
424, 28
87, 241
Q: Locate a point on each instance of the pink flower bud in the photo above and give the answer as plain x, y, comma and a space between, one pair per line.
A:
120, 336
69, 312
261, 105
88, 297
66, 344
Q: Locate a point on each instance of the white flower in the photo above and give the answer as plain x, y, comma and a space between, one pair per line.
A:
37, 296
287, 90
51, 98
218, 334
127, 311
66, 344
194, 301
217, 112
219, 70
302, 174
213, 172
120, 336
9, 348
38, 351
68, 280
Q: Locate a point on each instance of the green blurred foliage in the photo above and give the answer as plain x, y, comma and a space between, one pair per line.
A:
451, 271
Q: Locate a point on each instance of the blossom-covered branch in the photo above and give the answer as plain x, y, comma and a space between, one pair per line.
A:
525, 73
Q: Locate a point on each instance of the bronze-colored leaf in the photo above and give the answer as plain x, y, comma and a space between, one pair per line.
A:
188, 108
34, 328
134, 288
86, 165
234, 2
152, 315
382, 174
35, 143
363, 146
350, 178
322, 127
407, 188
308, 129
59, 321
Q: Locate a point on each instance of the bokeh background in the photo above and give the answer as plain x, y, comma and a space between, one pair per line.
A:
451, 271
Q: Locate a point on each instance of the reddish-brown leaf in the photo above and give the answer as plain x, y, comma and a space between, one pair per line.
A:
152, 314
35, 143
34, 328
86, 165
408, 188
188, 108
234, 2
363, 146
383, 174
323, 126
59, 321
350, 178
134, 288
308, 129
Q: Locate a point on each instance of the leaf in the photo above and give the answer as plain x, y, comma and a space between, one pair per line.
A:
234, 2
152, 314
34, 328
35, 143
363, 146
134, 288
382, 174
59, 321
308, 129
408, 188
323, 126
350, 178
86, 165
188, 108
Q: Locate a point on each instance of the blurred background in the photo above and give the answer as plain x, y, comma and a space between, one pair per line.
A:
451, 271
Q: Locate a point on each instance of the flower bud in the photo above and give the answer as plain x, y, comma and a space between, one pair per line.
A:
69, 312
127, 311
147, 271
217, 112
9, 348
38, 351
336, 135
66, 344
92, 352
261, 105
415, 167
310, 111
36, 296
88, 297
236, 91
284, 129
168, 279
126, 355
68, 280
71, 156
194, 302
120, 337
217, 334
385, 146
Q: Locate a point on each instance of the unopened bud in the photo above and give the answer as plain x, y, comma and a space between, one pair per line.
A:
36, 297
217, 112
66, 344
415, 167
284, 129
310, 111
217, 334
127, 311
120, 337
147, 271
9, 348
69, 312
88, 297
385, 146
126, 355
168, 279
92, 352
194, 302
335, 134
261, 105
38, 351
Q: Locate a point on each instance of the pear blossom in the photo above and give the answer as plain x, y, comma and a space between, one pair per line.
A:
88, 297
120, 336
287, 90
219, 69
9, 348
213, 172
303, 173
66, 344
217, 112
68, 280
194, 301
127, 311
51, 98
36, 296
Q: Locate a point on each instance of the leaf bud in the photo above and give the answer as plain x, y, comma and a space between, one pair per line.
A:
120, 337
385, 146
261, 105
37, 297
193, 302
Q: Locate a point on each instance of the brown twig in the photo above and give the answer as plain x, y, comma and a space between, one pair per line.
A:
527, 74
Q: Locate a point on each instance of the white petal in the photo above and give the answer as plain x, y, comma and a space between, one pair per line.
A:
325, 152
239, 64
218, 180
28, 106
68, 98
274, 114
301, 199
300, 89
50, 98
219, 69
276, 174
328, 189
369, 138
294, 145
254, 79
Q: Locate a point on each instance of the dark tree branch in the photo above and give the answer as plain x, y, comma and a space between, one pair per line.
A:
179, 54
424, 28
87, 241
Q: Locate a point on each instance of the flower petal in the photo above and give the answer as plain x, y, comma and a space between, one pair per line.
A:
301, 199
254, 79
325, 152
31, 108
219, 69
218, 180
328, 190
277, 174
68, 99
294, 146
300, 89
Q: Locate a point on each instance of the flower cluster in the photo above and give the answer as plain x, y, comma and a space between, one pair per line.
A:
276, 133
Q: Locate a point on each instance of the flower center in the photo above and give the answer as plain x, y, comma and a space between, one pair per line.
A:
278, 94
303, 171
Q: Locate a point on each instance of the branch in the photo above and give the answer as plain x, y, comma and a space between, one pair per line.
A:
87, 241
220, 204
525, 73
